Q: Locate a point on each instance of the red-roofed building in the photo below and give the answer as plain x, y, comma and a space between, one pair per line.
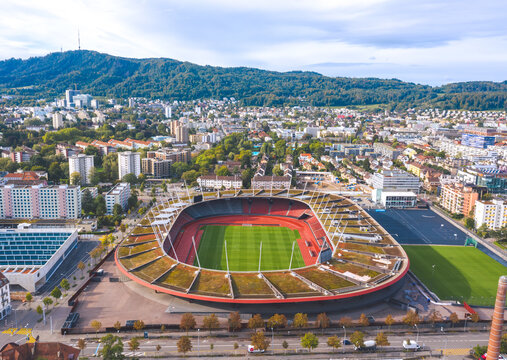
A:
39, 350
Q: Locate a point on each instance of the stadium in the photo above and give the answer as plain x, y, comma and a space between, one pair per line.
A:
263, 247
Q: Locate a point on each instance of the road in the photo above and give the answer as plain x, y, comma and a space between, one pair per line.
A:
453, 345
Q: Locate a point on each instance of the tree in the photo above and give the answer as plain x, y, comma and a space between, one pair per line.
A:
96, 325
139, 325
277, 321
300, 320
256, 322
184, 344
75, 178
47, 301
117, 210
28, 298
345, 321
112, 348
411, 318
55, 172
322, 321
434, 317
475, 317
236, 346
64, 284
158, 347
222, 171
334, 342
81, 344
479, 350
234, 321
39, 310
117, 326
134, 345
259, 341
381, 339
389, 321
129, 178
81, 266
453, 318
469, 223
309, 341
363, 320
187, 322
285, 346
357, 338
211, 322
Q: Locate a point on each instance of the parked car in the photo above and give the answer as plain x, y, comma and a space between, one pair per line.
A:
346, 342
411, 345
252, 349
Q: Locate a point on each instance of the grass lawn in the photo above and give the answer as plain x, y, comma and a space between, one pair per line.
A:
461, 273
243, 243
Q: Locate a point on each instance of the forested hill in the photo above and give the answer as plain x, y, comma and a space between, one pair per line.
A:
106, 75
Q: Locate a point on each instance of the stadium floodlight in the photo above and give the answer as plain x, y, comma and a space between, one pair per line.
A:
260, 257
186, 187
304, 189
196, 254
226, 257
291, 254
288, 190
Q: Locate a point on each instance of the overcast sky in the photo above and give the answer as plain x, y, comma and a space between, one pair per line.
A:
424, 41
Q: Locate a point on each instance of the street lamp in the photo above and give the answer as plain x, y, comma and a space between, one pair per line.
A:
417, 328
344, 332
272, 337
198, 338
442, 330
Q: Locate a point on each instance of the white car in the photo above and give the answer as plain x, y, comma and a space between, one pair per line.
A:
252, 349
411, 345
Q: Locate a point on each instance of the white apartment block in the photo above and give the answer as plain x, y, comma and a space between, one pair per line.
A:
57, 120
129, 163
492, 213
5, 297
83, 165
219, 182
271, 182
118, 195
40, 201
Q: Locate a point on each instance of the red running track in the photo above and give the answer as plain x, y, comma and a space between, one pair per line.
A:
184, 247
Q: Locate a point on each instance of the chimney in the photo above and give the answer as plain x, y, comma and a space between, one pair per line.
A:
495, 335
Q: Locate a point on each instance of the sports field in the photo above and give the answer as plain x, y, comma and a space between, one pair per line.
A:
243, 245
456, 272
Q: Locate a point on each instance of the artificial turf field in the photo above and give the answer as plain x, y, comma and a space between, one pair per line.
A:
460, 273
243, 243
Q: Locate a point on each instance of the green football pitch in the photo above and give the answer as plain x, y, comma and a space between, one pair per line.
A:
457, 272
243, 245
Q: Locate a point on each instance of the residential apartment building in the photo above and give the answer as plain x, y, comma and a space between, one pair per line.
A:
175, 155
40, 201
82, 164
182, 134
271, 182
492, 213
156, 167
129, 163
458, 198
57, 120
5, 297
118, 195
67, 150
220, 182
23, 155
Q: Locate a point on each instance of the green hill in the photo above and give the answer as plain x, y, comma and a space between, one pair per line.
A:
106, 75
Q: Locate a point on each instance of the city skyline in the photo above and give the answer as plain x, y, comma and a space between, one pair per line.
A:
425, 42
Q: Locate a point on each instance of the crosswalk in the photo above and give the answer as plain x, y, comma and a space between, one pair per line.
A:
21, 331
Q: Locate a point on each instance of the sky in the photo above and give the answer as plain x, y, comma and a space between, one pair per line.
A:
423, 41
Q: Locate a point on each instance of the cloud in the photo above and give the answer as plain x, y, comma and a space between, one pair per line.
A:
452, 39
